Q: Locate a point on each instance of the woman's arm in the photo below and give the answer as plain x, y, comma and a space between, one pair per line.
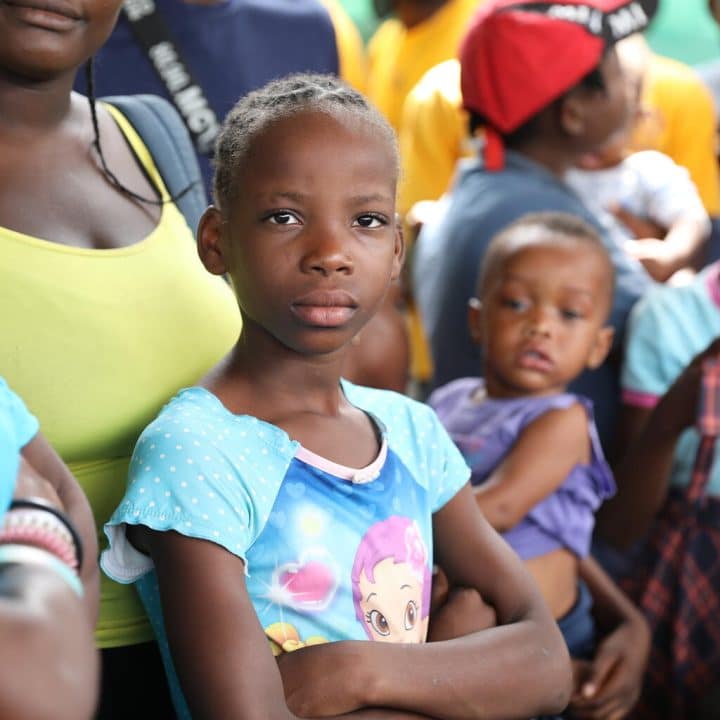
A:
648, 440
43, 459
516, 670
530, 473
47, 647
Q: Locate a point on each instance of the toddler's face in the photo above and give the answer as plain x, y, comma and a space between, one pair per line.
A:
542, 318
311, 242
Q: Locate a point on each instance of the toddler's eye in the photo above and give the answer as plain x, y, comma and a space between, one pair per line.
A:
514, 304
378, 622
571, 314
371, 221
283, 218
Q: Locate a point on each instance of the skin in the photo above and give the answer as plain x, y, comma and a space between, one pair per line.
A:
317, 205
55, 664
648, 440
549, 294
46, 134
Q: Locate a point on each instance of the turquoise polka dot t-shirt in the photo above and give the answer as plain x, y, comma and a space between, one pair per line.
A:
331, 552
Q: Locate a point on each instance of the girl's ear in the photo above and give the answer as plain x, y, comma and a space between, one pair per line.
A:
601, 347
210, 241
399, 250
475, 320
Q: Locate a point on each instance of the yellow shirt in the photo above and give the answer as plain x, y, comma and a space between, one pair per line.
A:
96, 341
433, 135
400, 56
681, 124
351, 50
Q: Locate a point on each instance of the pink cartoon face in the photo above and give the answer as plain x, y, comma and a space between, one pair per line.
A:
391, 582
392, 604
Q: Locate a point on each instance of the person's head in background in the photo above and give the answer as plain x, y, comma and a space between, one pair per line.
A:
544, 294
544, 79
633, 54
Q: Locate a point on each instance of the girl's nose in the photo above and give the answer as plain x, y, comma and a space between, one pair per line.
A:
327, 252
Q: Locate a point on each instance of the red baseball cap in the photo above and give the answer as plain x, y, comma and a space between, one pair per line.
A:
517, 57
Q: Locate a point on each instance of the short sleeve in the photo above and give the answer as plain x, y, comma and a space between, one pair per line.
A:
23, 423
199, 474
654, 350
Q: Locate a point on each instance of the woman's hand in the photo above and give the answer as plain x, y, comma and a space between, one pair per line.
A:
608, 687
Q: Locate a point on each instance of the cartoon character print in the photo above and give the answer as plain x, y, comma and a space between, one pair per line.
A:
391, 582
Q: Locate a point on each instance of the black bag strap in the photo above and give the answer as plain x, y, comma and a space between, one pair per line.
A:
152, 33
166, 137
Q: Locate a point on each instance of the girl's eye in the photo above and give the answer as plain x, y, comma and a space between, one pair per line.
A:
283, 218
410, 615
371, 221
378, 622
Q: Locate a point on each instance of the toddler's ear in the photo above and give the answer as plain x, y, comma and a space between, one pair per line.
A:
475, 320
601, 347
399, 249
210, 245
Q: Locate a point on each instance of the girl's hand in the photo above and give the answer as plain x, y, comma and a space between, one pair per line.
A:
323, 680
608, 687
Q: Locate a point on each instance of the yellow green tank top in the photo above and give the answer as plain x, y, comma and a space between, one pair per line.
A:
96, 341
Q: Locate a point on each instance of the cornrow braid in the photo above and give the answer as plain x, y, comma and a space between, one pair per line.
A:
107, 172
280, 99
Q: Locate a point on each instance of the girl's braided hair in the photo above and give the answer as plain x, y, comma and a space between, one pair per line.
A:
281, 99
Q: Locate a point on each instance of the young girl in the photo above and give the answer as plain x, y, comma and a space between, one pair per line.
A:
544, 295
251, 495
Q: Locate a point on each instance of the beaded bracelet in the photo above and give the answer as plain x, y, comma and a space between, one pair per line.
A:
17, 521
28, 555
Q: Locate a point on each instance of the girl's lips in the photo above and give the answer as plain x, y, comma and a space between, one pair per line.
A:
325, 308
47, 15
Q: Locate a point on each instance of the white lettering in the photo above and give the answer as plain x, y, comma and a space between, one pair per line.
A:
138, 9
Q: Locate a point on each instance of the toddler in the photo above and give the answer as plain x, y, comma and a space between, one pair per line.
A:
276, 509
538, 470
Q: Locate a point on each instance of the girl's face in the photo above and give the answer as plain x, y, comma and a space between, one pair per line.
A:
542, 318
310, 242
40, 39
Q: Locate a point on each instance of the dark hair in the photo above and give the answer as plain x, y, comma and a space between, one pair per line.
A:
592, 82
281, 99
558, 224
109, 174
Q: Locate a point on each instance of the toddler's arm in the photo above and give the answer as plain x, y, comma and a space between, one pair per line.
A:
610, 684
541, 459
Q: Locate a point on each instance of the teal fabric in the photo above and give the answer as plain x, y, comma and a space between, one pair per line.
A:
685, 30
301, 526
17, 428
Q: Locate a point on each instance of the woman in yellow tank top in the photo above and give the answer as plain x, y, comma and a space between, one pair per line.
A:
105, 310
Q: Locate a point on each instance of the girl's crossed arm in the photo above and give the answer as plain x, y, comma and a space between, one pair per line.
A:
516, 670
219, 650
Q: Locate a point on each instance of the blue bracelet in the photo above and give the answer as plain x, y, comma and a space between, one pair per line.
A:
29, 555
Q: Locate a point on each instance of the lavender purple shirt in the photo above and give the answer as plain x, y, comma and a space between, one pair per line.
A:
485, 433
